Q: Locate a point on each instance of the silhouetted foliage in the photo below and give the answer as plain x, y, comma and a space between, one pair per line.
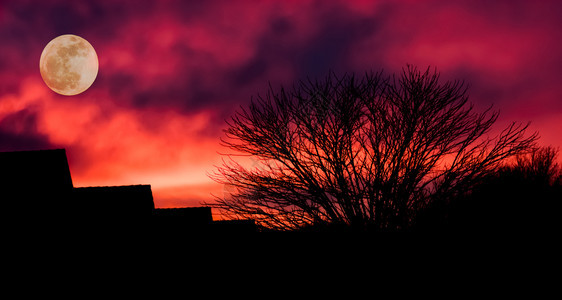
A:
539, 168
363, 153
523, 195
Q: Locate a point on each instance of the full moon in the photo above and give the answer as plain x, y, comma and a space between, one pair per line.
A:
68, 65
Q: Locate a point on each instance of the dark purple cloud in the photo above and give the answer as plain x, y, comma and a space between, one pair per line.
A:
19, 131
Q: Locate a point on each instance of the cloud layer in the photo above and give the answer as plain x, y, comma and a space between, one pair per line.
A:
172, 71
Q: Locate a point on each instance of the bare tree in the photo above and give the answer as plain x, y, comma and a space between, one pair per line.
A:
361, 152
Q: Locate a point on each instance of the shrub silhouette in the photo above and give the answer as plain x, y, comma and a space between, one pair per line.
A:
522, 196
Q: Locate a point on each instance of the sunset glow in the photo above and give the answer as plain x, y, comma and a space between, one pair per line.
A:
171, 73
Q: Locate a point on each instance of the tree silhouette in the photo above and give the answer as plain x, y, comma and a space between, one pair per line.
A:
523, 195
539, 168
364, 153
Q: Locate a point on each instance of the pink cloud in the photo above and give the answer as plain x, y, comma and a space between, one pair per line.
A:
172, 71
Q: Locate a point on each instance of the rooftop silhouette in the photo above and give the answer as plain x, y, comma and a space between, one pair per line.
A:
42, 169
38, 193
35, 185
132, 201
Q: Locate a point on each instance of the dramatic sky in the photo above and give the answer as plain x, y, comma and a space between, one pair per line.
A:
172, 71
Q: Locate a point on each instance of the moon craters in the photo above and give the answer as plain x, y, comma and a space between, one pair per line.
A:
68, 65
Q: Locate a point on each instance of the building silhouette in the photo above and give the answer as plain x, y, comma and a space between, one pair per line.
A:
115, 202
35, 187
38, 193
